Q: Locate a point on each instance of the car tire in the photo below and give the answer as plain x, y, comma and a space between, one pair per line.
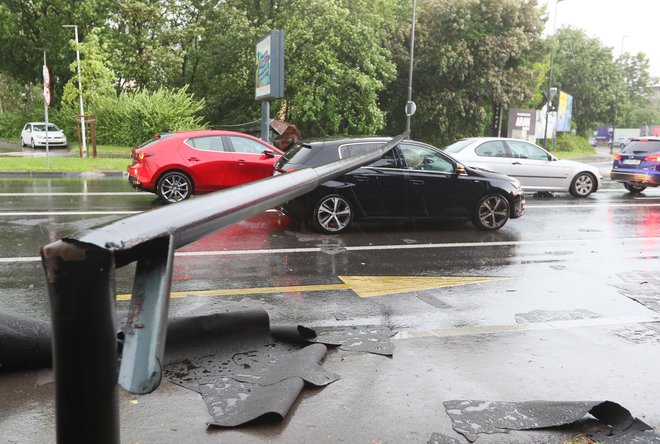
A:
635, 189
174, 187
492, 212
23, 145
583, 185
332, 214
32, 144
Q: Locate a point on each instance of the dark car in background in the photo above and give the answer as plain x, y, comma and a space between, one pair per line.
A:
178, 165
412, 181
637, 165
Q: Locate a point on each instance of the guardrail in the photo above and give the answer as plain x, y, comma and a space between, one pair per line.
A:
80, 273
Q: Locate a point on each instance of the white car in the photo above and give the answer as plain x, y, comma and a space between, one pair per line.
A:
535, 168
34, 135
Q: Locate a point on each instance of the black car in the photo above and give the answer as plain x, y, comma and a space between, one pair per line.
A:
412, 181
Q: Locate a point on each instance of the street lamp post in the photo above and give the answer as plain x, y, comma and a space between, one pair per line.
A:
410, 105
616, 97
548, 96
82, 109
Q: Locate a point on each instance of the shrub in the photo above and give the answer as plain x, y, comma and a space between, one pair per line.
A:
570, 142
129, 119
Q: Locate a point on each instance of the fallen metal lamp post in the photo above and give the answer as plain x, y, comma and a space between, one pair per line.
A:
80, 274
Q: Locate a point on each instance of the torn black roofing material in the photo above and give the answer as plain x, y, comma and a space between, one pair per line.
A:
24, 343
472, 417
242, 373
364, 338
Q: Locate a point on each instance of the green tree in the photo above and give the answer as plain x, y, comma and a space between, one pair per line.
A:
584, 68
97, 77
468, 55
634, 107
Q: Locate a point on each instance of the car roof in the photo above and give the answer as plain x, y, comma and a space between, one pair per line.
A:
334, 142
485, 139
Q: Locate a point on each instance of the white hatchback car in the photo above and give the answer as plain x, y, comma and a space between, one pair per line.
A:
535, 168
34, 135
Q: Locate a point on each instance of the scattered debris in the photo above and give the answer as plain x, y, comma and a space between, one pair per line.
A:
471, 417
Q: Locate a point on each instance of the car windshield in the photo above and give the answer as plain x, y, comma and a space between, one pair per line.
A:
298, 154
458, 146
642, 147
42, 127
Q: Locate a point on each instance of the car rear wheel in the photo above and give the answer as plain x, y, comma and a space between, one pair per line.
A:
492, 212
332, 214
174, 187
583, 185
635, 189
32, 144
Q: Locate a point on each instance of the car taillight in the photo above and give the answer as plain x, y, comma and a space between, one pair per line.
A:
142, 155
653, 158
617, 157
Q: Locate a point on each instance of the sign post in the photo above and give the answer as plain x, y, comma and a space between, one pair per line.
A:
46, 75
269, 76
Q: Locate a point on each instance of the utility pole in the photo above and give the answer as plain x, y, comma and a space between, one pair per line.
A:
410, 105
82, 109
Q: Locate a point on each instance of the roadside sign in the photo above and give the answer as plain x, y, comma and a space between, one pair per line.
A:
46, 74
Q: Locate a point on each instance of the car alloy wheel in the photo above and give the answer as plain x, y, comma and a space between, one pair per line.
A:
492, 212
174, 187
635, 189
332, 214
583, 185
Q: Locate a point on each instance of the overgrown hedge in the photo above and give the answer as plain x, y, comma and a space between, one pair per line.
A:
129, 119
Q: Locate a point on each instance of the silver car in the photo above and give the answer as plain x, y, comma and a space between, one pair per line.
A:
34, 135
535, 168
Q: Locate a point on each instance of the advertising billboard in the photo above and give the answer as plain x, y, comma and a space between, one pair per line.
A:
270, 66
564, 112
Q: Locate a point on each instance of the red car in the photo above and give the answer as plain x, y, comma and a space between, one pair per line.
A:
177, 165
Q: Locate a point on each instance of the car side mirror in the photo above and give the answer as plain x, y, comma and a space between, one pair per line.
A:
459, 170
269, 153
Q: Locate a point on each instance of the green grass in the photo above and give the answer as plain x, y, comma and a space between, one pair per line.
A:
575, 152
74, 164
102, 150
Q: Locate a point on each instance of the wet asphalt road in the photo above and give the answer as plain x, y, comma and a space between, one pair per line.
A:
576, 259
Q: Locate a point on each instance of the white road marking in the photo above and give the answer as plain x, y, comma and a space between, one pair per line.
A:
383, 247
533, 326
100, 193
66, 213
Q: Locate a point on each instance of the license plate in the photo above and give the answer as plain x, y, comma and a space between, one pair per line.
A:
631, 161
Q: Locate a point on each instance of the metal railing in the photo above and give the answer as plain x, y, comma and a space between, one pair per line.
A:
80, 274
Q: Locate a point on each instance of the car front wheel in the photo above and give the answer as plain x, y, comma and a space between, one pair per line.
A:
583, 185
332, 214
492, 212
174, 187
635, 189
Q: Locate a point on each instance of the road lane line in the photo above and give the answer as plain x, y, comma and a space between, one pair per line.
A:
532, 326
382, 247
67, 213
99, 193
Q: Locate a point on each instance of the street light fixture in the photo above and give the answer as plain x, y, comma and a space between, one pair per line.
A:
82, 109
549, 95
616, 97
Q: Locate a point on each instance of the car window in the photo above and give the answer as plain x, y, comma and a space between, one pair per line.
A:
457, 146
207, 143
642, 147
493, 148
245, 145
526, 150
419, 157
358, 148
27, 127
387, 161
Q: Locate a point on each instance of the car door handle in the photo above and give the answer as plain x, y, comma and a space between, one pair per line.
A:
516, 163
241, 161
361, 178
193, 159
416, 181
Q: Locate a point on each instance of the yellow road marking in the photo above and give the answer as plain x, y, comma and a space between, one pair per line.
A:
363, 286
262, 290
370, 286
